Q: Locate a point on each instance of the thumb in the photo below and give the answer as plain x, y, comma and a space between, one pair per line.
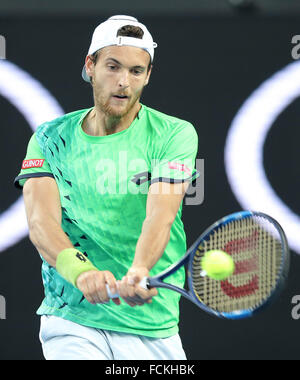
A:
133, 279
136, 274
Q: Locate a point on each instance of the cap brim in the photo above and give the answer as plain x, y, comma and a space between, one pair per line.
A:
85, 76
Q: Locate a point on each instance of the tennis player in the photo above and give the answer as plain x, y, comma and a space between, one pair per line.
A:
103, 190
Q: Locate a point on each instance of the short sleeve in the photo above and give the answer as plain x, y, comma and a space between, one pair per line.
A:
177, 161
34, 164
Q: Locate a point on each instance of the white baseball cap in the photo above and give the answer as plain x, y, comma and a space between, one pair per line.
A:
106, 35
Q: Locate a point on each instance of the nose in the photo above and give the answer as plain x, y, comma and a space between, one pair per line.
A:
124, 79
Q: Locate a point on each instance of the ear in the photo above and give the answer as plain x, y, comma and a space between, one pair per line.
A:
89, 66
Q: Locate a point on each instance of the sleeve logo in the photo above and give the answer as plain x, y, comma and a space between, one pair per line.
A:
180, 167
28, 164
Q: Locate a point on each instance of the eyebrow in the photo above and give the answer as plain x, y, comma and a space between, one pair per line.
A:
119, 63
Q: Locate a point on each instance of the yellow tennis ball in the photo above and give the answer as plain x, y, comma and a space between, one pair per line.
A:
217, 264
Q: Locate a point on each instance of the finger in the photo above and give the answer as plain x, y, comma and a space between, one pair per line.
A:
100, 287
89, 290
123, 293
88, 285
91, 287
132, 280
134, 295
129, 285
146, 294
112, 284
96, 287
111, 281
121, 288
124, 288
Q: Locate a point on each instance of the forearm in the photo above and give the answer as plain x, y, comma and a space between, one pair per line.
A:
152, 242
49, 239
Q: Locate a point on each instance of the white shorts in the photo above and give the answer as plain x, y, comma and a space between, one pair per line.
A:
65, 340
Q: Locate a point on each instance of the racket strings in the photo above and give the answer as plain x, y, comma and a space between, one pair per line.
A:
255, 246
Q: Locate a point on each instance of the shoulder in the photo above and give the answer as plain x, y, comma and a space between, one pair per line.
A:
162, 123
53, 127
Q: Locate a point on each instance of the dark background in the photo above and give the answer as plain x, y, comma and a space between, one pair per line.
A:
208, 62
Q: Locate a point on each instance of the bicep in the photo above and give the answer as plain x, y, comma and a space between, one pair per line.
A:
41, 198
164, 199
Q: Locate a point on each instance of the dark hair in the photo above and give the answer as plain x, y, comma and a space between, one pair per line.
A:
125, 31
130, 31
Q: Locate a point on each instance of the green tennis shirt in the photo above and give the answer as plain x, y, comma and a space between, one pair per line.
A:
103, 184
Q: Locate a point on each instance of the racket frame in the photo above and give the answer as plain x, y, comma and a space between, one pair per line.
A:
156, 281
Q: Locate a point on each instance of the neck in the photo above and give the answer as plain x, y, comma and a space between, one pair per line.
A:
97, 123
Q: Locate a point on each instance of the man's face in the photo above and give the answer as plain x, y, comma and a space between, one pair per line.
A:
119, 77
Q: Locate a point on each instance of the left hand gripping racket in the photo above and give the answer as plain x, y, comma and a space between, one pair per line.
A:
259, 248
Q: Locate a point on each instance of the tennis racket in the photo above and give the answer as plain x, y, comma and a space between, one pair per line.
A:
259, 249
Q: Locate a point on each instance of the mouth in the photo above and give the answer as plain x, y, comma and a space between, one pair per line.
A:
120, 97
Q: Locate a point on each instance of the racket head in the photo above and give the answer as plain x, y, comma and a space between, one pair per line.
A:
259, 248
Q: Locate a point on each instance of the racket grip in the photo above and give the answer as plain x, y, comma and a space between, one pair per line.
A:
143, 284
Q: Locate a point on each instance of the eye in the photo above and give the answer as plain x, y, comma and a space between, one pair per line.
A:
137, 71
112, 67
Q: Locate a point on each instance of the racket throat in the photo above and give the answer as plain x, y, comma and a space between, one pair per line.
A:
154, 283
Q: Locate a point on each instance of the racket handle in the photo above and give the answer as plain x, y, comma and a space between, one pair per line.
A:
143, 284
